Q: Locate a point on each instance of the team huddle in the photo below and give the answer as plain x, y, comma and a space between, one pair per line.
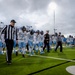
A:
33, 41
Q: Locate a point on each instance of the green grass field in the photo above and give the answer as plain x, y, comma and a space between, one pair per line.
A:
40, 64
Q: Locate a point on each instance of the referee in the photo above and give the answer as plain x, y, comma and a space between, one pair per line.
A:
59, 42
9, 31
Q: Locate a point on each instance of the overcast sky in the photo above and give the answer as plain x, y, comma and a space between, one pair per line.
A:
38, 14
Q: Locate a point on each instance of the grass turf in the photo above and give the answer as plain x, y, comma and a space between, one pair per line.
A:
31, 64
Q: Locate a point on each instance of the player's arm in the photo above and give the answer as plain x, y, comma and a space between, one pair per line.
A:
3, 30
16, 36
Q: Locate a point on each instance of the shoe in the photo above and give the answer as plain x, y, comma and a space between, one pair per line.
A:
20, 51
55, 50
16, 53
23, 56
48, 51
42, 52
9, 62
32, 53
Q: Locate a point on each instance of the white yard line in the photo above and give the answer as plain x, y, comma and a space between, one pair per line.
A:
68, 50
53, 58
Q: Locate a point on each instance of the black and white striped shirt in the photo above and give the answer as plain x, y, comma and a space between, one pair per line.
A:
9, 32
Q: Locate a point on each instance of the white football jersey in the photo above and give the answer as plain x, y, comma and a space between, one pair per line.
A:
30, 37
54, 39
37, 38
34, 38
2, 38
71, 39
25, 37
21, 36
41, 38
68, 39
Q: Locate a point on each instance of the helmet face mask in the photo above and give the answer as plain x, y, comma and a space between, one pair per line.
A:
56, 34
41, 32
23, 28
32, 32
38, 32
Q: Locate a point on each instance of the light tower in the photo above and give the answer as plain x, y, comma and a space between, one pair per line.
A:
52, 7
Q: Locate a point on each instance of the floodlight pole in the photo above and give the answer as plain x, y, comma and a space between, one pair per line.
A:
54, 21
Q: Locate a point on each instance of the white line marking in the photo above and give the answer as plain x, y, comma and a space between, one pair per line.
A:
69, 50
53, 58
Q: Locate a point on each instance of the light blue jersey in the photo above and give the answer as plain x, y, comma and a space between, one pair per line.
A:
71, 40
54, 40
21, 41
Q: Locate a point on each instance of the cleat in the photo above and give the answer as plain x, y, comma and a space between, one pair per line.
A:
37, 51
23, 56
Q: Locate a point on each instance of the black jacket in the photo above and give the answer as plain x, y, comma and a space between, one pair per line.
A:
46, 38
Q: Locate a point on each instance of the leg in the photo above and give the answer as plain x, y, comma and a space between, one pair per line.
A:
7, 51
14, 46
36, 47
9, 45
57, 46
44, 46
60, 46
23, 49
30, 48
20, 47
48, 47
41, 48
11, 48
27, 46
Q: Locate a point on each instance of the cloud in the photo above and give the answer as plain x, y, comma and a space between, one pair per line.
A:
37, 14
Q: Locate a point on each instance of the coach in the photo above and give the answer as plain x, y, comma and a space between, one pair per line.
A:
46, 41
9, 31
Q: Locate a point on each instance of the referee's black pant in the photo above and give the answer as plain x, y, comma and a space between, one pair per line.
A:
9, 46
59, 44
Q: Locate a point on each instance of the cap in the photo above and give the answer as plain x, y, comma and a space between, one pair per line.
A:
13, 21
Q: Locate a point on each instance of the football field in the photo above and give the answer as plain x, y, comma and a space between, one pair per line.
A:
53, 63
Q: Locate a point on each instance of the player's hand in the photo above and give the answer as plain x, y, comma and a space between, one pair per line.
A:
3, 42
